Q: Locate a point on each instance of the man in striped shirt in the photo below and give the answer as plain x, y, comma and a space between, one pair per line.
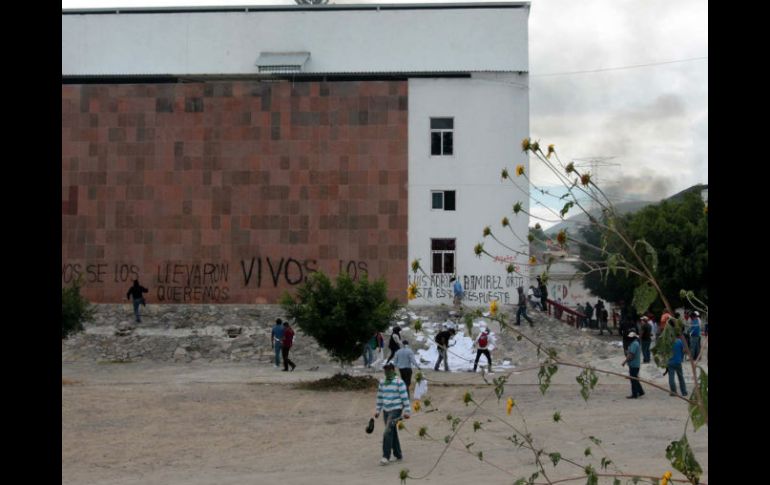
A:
392, 400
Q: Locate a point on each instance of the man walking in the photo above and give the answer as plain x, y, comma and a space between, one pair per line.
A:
522, 308
135, 293
403, 360
457, 289
286, 343
442, 341
276, 336
482, 347
675, 367
633, 358
393, 401
695, 335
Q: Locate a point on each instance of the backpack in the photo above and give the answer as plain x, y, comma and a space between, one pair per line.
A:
483, 340
536, 291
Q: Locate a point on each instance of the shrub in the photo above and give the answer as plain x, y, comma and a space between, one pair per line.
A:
341, 318
74, 310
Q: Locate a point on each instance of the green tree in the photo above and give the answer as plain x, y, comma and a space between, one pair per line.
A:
677, 228
74, 310
341, 317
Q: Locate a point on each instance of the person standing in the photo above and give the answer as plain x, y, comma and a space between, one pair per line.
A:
482, 347
533, 297
286, 343
633, 358
404, 359
135, 293
276, 340
442, 342
605, 319
369, 347
543, 295
394, 343
522, 311
675, 367
646, 338
457, 290
393, 402
695, 335
589, 315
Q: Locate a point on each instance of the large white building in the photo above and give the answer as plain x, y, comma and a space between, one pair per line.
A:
457, 77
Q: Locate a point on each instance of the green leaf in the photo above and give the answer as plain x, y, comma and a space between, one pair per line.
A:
596, 440
556, 417
480, 454
605, 463
683, 459
587, 451
616, 482
699, 417
644, 295
476, 426
555, 458
664, 345
566, 208
651, 256
520, 481
587, 380
593, 479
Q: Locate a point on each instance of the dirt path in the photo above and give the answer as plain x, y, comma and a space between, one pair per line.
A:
196, 424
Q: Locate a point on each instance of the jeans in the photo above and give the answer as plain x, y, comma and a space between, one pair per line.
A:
137, 302
368, 355
286, 361
442, 355
676, 368
522, 312
695, 346
479, 352
636, 386
390, 436
277, 348
646, 351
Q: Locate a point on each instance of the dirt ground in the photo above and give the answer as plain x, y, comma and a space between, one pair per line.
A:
196, 424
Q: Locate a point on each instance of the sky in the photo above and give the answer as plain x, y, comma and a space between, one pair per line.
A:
623, 82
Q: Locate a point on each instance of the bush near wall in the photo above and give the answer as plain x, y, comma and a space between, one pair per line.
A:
74, 310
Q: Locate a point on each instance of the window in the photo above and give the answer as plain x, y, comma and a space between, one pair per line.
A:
443, 256
441, 136
443, 200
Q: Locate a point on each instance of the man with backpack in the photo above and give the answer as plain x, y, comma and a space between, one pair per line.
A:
482, 344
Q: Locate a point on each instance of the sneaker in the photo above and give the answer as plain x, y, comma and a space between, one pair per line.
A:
293, 366
631, 397
383, 461
672, 394
398, 460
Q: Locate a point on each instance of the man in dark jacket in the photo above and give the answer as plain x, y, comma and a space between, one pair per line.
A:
287, 342
442, 340
646, 339
135, 294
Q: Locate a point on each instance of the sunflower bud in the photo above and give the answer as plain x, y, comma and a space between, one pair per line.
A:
505, 221
519, 170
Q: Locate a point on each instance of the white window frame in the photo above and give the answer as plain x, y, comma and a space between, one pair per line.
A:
453, 252
441, 131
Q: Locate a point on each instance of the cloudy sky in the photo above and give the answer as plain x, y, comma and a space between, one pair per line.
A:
624, 82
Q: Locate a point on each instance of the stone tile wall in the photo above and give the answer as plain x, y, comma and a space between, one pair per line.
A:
232, 192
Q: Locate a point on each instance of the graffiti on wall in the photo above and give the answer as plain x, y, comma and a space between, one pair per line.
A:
258, 270
175, 282
478, 288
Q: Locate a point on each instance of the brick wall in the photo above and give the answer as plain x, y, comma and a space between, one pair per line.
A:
232, 192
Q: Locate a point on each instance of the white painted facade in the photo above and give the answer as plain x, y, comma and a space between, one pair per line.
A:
491, 117
490, 109
391, 38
